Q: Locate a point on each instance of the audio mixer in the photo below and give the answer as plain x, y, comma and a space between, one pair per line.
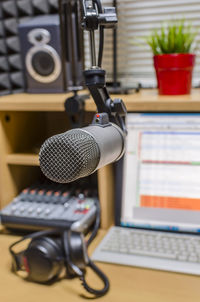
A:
51, 206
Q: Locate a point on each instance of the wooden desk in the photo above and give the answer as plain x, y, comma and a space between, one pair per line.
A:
128, 284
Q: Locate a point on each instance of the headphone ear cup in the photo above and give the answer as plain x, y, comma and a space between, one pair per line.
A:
43, 259
78, 250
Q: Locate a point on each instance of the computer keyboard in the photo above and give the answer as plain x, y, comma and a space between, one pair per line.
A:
150, 249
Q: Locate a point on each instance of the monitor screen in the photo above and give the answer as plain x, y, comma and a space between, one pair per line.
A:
161, 173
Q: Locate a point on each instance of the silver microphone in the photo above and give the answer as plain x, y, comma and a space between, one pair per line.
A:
80, 152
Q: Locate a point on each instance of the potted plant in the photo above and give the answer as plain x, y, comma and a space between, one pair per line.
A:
173, 57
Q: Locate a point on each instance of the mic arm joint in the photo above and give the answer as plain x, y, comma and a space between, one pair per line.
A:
116, 109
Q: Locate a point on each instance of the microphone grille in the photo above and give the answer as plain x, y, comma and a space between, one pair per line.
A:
68, 156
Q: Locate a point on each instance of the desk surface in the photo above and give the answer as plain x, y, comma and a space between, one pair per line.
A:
145, 100
128, 284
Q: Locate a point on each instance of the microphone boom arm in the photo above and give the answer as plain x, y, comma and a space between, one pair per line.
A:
95, 17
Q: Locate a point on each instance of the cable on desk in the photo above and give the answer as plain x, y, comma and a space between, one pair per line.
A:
101, 275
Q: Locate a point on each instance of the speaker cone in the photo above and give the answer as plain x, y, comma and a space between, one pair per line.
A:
43, 63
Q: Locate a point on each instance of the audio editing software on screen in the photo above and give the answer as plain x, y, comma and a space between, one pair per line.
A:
162, 171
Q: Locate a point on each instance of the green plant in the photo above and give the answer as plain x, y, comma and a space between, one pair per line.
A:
175, 37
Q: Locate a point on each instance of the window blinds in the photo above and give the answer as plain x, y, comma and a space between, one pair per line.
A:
137, 19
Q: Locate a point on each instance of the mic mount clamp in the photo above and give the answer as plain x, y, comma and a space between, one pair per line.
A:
95, 17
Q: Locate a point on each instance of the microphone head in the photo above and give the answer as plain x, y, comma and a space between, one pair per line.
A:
68, 156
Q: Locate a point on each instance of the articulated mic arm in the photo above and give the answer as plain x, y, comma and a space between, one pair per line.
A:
94, 17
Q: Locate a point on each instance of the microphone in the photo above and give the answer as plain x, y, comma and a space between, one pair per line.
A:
80, 152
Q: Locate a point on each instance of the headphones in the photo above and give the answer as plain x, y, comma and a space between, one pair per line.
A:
46, 256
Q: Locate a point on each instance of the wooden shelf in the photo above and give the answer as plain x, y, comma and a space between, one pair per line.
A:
24, 159
145, 100
33, 102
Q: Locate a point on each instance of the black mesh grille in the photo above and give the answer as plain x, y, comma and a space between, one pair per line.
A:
69, 156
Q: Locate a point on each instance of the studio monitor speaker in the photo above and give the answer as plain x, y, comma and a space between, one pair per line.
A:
42, 54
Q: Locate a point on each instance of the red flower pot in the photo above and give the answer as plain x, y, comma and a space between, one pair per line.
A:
174, 73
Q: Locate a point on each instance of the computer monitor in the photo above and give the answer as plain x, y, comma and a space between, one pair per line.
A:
160, 175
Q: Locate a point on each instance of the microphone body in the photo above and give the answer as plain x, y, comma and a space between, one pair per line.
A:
80, 152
